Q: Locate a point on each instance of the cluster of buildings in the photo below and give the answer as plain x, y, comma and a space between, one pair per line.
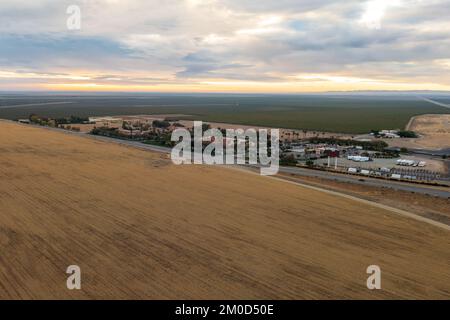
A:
135, 126
314, 151
346, 157
359, 161
390, 134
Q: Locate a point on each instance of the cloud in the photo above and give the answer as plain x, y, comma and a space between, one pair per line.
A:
178, 42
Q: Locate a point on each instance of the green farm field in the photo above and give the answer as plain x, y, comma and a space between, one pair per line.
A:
333, 113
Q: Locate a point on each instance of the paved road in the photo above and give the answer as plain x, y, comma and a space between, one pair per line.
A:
364, 181
35, 104
433, 153
436, 102
369, 202
358, 180
315, 173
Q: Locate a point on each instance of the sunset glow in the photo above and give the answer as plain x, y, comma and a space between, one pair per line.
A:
226, 46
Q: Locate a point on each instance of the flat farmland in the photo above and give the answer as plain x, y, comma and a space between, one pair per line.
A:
329, 113
140, 227
434, 131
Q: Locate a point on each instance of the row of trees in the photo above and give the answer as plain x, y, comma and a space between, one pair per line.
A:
401, 134
108, 132
367, 145
407, 134
46, 121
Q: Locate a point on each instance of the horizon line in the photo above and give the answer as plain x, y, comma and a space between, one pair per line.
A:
224, 93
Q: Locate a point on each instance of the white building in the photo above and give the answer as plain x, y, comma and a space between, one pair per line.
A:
404, 162
358, 158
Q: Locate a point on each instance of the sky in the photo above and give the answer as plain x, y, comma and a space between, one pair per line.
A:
254, 46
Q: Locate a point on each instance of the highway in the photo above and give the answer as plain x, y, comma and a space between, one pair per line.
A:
359, 180
365, 181
36, 104
339, 177
431, 153
436, 102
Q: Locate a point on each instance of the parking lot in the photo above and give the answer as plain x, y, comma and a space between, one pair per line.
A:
434, 169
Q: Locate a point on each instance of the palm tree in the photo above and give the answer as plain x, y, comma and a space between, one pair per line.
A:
129, 127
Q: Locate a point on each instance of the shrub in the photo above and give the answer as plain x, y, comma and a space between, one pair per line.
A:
407, 134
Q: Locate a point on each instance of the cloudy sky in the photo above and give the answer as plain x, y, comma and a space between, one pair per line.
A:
225, 45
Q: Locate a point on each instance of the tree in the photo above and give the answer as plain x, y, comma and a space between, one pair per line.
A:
407, 134
288, 160
310, 163
161, 124
368, 145
129, 127
305, 132
206, 127
34, 118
